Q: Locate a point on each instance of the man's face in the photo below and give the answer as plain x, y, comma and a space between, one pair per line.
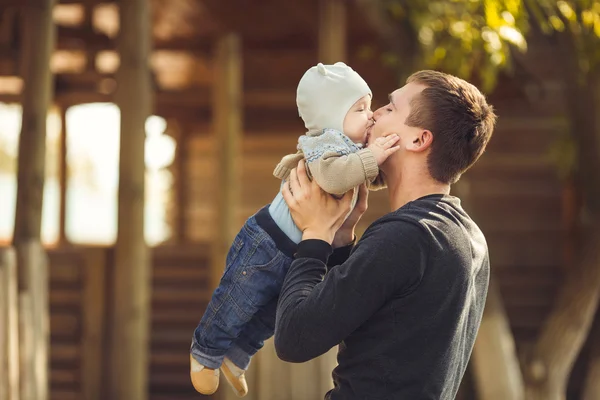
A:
391, 118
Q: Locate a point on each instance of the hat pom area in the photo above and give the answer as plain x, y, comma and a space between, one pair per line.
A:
321, 68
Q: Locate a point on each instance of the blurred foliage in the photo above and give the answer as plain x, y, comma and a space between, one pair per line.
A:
475, 39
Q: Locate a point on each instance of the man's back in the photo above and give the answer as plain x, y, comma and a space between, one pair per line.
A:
418, 343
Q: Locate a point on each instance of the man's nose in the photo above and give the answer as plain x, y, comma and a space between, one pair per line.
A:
377, 113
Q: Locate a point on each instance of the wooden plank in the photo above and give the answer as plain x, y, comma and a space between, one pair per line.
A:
64, 271
228, 128
64, 394
175, 317
65, 298
131, 285
177, 274
64, 324
65, 354
64, 377
92, 313
172, 295
9, 355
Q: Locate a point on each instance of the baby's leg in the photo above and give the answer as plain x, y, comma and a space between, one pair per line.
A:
251, 280
220, 325
257, 330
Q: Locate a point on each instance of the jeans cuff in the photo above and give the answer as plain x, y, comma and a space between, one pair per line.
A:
209, 358
239, 357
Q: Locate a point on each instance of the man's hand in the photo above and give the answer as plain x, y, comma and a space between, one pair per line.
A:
383, 147
345, 235
316, 213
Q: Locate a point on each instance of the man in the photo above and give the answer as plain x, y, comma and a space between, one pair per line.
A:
406, 302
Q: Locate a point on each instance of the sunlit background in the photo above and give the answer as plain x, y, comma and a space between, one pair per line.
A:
92, 177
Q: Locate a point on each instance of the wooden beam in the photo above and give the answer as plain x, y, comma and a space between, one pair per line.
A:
11, 98
78, 38
9, 331
332, 31
227, 130
131, 285
38, 43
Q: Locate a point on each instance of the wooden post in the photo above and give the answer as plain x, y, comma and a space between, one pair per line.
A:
34, 326
92, 343
130, 314
9, 332
332, 31
37, 46
495, 365
62, 177
227, 120
227, 130
181, 184
38, 43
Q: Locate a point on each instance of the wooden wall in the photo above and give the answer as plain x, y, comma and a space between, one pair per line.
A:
80, 299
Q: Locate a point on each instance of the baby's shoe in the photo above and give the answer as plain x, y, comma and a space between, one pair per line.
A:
205, 380
235, 377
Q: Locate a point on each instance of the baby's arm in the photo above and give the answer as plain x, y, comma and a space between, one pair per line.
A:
337, 174
335, 170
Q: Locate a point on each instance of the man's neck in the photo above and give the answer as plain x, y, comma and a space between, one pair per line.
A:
408, 185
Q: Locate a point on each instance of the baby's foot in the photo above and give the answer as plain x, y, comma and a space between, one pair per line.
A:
205, 380
235, 376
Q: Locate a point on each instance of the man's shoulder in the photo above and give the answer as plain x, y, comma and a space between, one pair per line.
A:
396, 225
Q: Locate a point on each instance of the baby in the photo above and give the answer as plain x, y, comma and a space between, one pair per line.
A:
335, 105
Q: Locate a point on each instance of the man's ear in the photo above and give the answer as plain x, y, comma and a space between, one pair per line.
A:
422, 141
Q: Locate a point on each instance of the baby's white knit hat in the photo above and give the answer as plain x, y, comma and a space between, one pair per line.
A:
326, 93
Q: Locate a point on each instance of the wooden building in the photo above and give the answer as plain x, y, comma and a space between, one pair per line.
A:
223, 74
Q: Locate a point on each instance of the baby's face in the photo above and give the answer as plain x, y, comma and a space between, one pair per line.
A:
358, 120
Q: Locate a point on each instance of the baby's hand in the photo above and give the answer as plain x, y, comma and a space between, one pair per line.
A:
383, 147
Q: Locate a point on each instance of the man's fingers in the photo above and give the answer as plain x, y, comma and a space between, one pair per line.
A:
363, 192
346, 201
363, 196
302, 176
294, 185
288, 196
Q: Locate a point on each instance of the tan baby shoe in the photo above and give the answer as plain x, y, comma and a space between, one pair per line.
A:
205, 380
235, 377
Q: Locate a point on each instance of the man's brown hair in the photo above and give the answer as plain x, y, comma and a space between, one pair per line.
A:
459, 117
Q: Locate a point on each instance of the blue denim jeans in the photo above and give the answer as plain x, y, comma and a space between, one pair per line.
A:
241, 314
